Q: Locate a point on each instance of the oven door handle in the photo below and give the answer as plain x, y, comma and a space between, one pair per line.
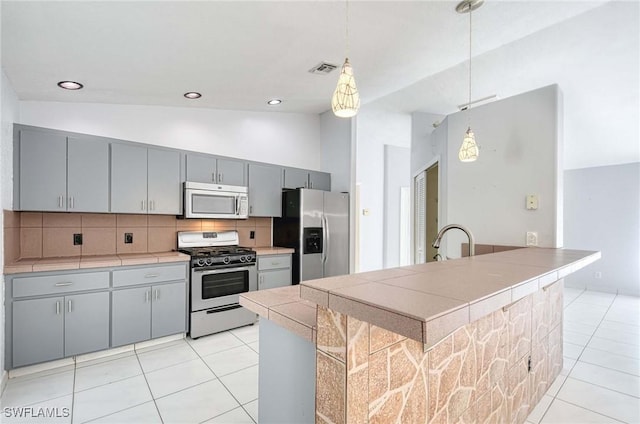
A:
222, 271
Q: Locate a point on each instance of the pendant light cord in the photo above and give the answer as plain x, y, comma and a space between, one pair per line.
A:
469, 104
347, 26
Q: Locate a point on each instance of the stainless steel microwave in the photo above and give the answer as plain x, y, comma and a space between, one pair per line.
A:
202, 200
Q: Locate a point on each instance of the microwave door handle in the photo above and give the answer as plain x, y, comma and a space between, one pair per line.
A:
237, 205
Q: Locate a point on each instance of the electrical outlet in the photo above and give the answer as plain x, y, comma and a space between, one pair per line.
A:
77, 239
532, 201
128, 238
252, 234
597, 275
532, 238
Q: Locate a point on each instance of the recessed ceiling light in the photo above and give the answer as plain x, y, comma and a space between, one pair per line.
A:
192, 95
274, 102
70, 85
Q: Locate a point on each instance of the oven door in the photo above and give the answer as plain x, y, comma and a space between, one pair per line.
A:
214, 288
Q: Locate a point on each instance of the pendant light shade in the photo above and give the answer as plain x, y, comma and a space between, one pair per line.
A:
469, 150
346, 100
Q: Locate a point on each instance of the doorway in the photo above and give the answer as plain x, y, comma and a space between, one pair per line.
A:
425, 214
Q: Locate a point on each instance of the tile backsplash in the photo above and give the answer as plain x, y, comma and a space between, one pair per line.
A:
44, 234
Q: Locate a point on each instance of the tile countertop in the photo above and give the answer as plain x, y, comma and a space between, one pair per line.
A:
269, 250
82, 262
284, 306
426, 302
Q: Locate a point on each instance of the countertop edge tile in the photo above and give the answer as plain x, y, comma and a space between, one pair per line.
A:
292, 325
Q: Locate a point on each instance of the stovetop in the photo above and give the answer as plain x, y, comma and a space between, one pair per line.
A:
214, 249
205, 252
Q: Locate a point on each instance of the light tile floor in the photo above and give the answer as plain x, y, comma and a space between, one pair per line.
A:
215, 379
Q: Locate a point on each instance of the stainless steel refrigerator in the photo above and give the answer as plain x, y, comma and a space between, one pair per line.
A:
316, 224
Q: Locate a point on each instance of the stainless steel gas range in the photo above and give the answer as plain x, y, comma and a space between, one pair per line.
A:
220, 271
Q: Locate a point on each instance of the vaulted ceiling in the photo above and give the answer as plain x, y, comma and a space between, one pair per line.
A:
407, 55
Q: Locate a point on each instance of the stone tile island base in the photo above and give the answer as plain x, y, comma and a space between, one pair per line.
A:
493, 370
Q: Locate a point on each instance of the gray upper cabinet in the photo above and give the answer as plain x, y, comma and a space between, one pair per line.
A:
265, 190
87, 175
163, 182
59, 173
301, 178
145, 180
209, 169
320, 180
128, 179
295, 178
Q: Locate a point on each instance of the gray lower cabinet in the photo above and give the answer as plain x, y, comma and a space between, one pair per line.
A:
274, 271
56, 327
59, 173
265, 190
143, 313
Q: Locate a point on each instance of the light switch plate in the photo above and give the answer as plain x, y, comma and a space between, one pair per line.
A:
532, 201
365, 212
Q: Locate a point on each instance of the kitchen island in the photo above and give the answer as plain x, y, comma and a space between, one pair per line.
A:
475, 339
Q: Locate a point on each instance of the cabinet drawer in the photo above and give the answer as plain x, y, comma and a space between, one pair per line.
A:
149, 275
62, 283
274, 262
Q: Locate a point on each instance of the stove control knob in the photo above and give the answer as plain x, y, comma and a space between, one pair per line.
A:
200, 262
243, 258
208, 261
226, 259
249, 258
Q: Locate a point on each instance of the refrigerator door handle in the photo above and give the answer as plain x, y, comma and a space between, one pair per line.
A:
325, 242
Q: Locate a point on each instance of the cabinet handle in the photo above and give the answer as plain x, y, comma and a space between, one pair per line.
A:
157, 294
71, 202
64, 284
151, 275
146, 296
151, 205
142, 205
275, 263
57, 307
220, 177
310, 184
60, 201
261, 280
250, 209
69, 306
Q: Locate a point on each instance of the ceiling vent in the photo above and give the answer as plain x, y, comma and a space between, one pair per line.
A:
323, 68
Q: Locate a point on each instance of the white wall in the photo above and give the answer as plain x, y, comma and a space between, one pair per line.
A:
335, 134
396, 175
291, 139
602, 212
519, 139
8, 114
374, 129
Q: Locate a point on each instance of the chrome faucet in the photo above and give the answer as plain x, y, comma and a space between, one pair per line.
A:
438, 239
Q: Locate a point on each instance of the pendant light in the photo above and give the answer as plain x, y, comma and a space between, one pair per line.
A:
346, 100
469, 149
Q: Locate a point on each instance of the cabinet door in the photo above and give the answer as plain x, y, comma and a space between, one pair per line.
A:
295, 178
265, 190
86, 323
164, 182
231, 172
320, 180
37, 330
43, 171
87, 175
130, 316
201, 169
128, 179
273, 279
168, 309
